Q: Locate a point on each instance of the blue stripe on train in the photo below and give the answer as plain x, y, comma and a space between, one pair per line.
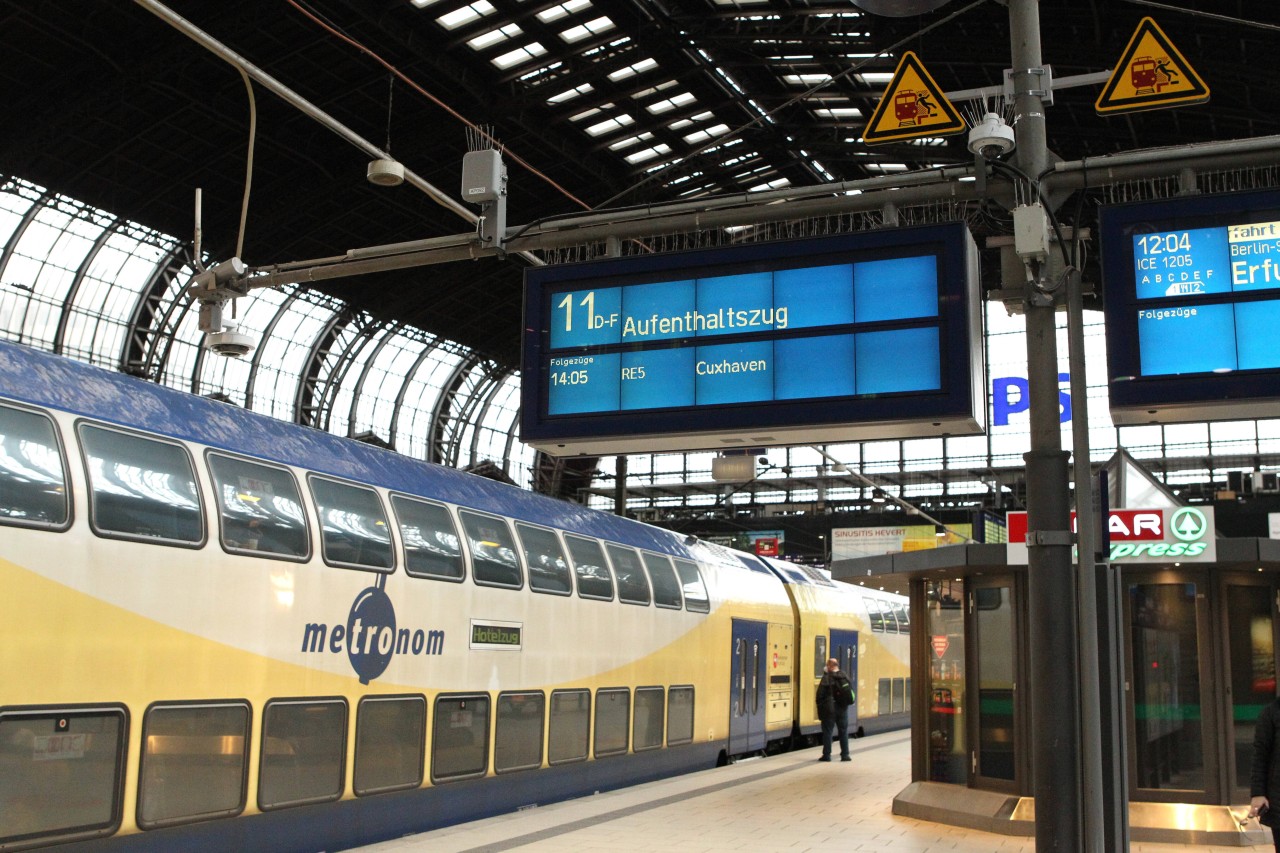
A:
41, 379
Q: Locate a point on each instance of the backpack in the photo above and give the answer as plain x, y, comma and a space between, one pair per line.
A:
843, 691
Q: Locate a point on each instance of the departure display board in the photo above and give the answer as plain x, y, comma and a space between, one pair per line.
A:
760, 344
1193, 307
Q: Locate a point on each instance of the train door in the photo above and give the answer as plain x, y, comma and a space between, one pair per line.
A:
844, 648
747, 687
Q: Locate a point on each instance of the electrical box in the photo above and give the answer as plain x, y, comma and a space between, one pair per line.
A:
483, 176
1030, 232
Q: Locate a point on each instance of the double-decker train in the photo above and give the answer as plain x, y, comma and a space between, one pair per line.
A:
223, 631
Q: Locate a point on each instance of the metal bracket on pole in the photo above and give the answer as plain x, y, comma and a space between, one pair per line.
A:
1045, 538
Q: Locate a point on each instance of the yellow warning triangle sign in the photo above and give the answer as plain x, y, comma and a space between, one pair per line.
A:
1151, 74
912, 106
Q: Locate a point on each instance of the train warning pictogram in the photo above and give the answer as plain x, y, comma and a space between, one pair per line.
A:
1150, 75
912, 106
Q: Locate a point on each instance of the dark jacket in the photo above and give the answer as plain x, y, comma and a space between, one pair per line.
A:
831, 689
1265, 778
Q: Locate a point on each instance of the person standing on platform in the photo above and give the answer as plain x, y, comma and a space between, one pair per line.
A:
1264, 782
835, 695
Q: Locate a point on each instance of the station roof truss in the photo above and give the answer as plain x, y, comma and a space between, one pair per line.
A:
597, 104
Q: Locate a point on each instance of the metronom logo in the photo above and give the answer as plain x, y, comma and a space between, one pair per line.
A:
370, 638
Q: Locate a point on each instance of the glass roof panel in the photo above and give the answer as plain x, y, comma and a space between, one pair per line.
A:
632, 70
493, 37
590, 28
465, 15
520, 54
562, 10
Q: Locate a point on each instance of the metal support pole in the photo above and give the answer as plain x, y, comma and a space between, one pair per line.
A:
1051, 588
620, 485
1094, 804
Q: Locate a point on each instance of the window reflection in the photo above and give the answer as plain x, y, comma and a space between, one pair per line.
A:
353, 524
261, 509
32, 480
493, 551
431, 543
141, 486
948, 746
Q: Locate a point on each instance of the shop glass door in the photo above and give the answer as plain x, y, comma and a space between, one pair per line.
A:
1251, 656
1168, 743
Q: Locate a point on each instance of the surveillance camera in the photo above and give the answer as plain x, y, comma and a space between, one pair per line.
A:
230, 343
991, 137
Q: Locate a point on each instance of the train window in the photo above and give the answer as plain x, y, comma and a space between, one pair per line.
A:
695, 592
899, 695
679, 715
548, 568
33, 475
141, 488
903, 616
646, 728
431, 545
885, 705
517, 738
569, 727
354, 532
493, 550
875, 614
819, 655
260, 508
633, 585
460, 737
594, 579
391, 736
304, 748
195, 763
613, 712
61, 774
666, 590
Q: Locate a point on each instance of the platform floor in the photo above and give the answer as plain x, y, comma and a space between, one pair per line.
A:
789, 802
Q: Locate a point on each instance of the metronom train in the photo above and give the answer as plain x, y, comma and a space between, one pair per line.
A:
223, 631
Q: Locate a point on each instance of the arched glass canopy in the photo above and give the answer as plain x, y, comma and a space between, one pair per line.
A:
86, 284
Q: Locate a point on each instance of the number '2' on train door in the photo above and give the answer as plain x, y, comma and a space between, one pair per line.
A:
747, 687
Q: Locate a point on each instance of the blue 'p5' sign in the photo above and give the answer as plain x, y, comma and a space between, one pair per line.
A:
1012, 394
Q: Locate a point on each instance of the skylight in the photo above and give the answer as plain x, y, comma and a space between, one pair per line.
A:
838, 113
630, 140
571, 94
493, 37
563, 10
806, 80
648, 154
671, 103
471, 12
520, 54
610, 124
777, 183
709, 133
633, 69
590, 28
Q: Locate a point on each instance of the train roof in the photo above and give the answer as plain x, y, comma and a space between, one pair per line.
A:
38, 378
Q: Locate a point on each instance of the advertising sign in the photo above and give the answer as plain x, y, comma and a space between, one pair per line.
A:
1165, 535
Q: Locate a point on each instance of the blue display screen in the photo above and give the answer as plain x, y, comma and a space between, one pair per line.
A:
757, 308
1193, 305
750, 331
